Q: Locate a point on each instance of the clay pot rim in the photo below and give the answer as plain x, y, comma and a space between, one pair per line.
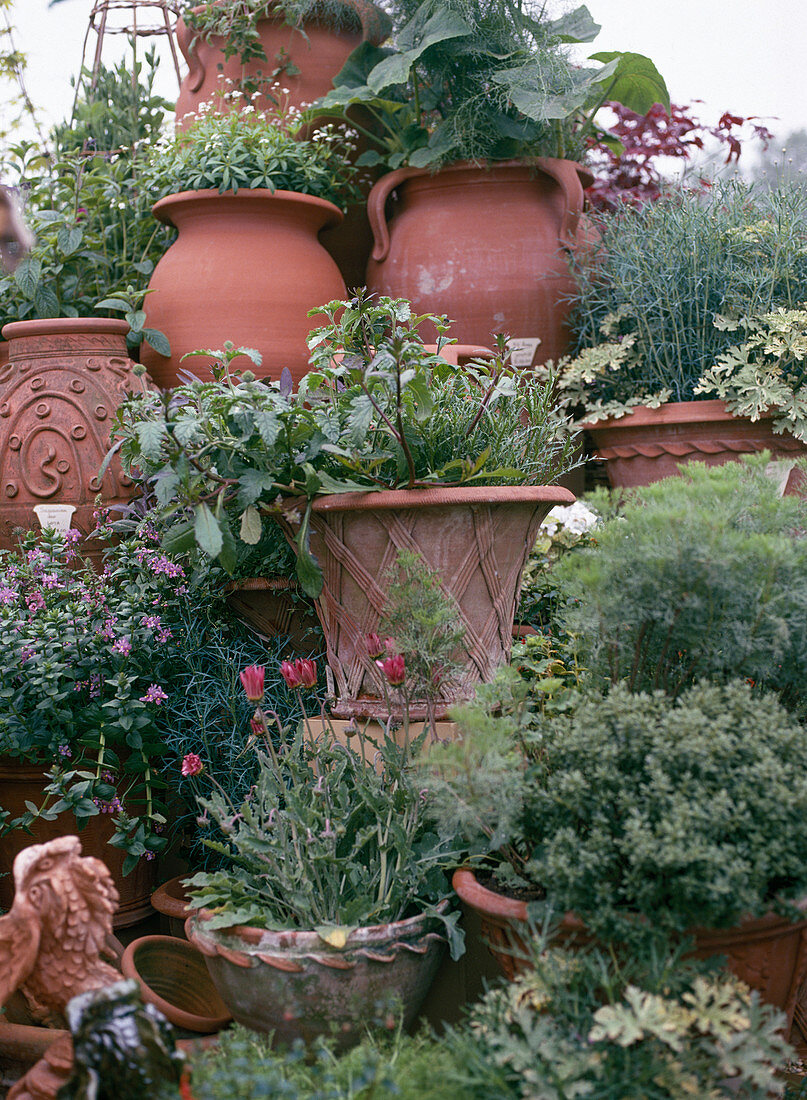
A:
498, 906
308, 941
48, 326
262, 584
162, 207
191, 1021
486, 167
672, 412
167, 903
442, 496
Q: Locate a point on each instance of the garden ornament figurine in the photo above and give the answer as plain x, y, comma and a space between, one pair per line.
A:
51, 943
15, 236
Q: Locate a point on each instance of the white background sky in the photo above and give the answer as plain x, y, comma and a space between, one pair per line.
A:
747, 56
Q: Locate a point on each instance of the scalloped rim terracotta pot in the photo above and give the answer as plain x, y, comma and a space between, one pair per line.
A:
476, 539
296, 985
647, 444
172, 975
246, 267
768, 953
486, 245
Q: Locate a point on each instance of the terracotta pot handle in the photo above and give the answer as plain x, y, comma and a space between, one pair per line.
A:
565, 175
376, 25
376, 202
186, 40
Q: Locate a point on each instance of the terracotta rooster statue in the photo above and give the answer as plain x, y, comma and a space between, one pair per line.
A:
51, 944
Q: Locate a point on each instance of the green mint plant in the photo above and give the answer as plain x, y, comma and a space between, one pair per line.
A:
230, 149
329, 838
378, 410
484, 79
87, 655
662, 298
716, 561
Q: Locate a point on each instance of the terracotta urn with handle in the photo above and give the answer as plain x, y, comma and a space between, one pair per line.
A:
487, 246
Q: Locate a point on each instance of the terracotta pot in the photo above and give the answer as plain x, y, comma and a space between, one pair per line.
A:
58, 395
477, 539
296, 985
273, 606
769, 954
316, 49
171, 899
173, 976
20, 783
488, 247
647, 444
246, 267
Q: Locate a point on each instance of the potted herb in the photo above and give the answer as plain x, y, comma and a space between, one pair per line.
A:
635, 815
383, 447
331, 901
689, 321
246, 186
480, 114
261, 46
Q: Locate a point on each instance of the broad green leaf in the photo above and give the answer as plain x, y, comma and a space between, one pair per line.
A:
207, 531
574, 26
69, 239
251, 526
113, 303
309, 573
150, 436
252, 484
158, 340
45, 302
28, 276
165, 487
268, 426
415, 38
179, 538
355, 70
136, 319
635, 81
228, 553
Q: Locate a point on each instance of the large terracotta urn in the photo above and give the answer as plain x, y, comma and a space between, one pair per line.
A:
487, 246
647, 445
59, 390
476, 539
21, 783
304, 58
246, 267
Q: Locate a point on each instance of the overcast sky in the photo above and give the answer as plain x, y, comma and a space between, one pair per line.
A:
747, 56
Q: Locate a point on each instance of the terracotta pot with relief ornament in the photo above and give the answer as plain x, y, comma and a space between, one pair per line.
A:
59, 391
487, 246
476, 539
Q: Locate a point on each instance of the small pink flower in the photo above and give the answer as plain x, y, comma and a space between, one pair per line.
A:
256, 725
252, 682
123, 646
394, 668
307, 671
192, 764
375, 647
154, 694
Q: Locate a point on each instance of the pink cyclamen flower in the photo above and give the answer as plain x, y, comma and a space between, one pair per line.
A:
394, 668
375, 647
252, 682
192, 764
154, 694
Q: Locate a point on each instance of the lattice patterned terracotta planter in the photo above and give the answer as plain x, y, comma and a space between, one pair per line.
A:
647, 444
296, 985
769, 954
476, 539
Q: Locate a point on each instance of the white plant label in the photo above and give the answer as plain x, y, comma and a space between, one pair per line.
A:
523, 350
55, 516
